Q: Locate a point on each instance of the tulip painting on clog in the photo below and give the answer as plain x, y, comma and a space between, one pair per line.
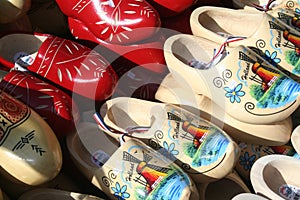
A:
30, 152
63, 62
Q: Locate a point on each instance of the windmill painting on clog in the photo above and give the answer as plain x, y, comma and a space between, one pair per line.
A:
277, 41
65, 63
131, 170
237, 79
201, 148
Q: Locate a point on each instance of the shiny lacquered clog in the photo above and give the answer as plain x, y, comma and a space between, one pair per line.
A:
63, 62
55, 106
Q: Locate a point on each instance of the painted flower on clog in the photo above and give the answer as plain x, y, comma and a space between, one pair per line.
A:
235, 93
297, 10
271, 57
247, 161
170, 148
120, 192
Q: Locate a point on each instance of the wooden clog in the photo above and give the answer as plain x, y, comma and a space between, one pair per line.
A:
180, 93
249, 154
11, 10
29, 149
55, 194
276, 177
225, 188
295, 139
65, 63
267, 4
263, 33
248, 196
55, 106
199, 147
131, 171
236, 79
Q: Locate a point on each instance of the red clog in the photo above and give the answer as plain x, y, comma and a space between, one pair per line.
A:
166, 8
63, 62
113, 21
148, 54
55, 106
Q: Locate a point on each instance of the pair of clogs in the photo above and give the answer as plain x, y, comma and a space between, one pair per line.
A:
162, 147
223, 62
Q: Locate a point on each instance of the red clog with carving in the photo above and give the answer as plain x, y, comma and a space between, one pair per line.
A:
129, 28
55, 106
116, 21
148, 54
63, 62
166, 8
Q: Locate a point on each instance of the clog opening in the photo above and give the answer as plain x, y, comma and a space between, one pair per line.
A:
133, 113
90, 147
15, 45
223, 189
278, 174
241, 23
186, 50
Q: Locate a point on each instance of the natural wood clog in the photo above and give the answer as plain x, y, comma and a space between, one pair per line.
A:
55, 194
224, 189
263, 32
199, 147
248, 196
11, 10
180, 93
276, 177
236, 79
29, 149
131, 171
295, 139
65, 63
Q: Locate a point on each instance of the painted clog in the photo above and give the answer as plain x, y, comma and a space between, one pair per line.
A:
267, 4
63, 62
11, 10
237, 79
264, 33
249, 154
225, 188
295, 139
55, 106
27, 143
199, 147
181, 93
276, 177
55, 194
131, 171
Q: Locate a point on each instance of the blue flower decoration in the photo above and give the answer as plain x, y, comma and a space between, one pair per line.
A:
171, 148
297, 10
120, 192
247, 161
272, 57
234, 94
